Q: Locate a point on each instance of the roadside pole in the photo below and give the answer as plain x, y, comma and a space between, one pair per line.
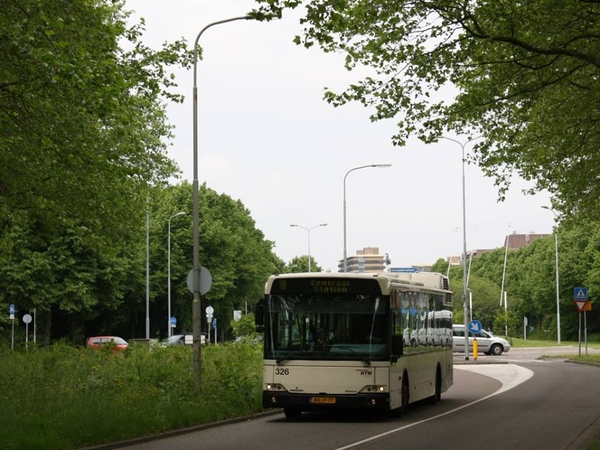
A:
11, 315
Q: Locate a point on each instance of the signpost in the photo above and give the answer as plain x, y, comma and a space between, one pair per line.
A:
475, 326
27, 320
209, 316
214, 325
580, 298
11, 315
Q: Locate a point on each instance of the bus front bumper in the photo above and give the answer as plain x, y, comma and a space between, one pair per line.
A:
315, 402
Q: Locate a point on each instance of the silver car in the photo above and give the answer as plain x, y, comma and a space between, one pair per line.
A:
487, 343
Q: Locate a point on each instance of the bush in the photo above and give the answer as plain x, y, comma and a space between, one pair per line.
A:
65, 397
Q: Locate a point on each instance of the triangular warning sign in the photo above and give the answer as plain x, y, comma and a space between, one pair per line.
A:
580, 294
580, 304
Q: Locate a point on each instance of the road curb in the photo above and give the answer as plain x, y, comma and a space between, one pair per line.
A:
167, 434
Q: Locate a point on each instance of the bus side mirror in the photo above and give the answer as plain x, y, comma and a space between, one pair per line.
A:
259, 316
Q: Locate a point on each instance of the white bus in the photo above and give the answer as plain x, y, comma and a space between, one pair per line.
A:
339, 341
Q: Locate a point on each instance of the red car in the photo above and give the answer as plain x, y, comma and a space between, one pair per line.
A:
115, 343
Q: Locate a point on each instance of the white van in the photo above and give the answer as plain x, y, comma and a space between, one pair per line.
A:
487, 343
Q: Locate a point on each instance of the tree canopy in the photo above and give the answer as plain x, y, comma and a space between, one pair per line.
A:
82, 114
523, 75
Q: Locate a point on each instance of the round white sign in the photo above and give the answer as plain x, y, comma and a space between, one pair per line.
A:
27, 318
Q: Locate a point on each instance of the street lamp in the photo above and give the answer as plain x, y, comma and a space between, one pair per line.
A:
308, 232
181, 213
557, 279
464, 208
147, 267
351, 170
196, 317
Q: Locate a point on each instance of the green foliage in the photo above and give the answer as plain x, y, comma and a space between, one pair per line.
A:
76, 102
62, 397
244, 327
235, 252
514, 73
82, 137
299, 264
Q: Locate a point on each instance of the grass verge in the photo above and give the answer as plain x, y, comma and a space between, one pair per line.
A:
66, 398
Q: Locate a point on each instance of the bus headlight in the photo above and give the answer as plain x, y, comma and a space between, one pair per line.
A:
377, 388
273, 387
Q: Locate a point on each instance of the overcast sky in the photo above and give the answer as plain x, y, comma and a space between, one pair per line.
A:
267, 138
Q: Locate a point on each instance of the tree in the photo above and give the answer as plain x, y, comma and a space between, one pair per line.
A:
82, 140
235, 252
83, 115
512, 72
244, 328
300, 264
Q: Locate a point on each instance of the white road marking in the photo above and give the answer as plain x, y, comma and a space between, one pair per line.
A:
510, 375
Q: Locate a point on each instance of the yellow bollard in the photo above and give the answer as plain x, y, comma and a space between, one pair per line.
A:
475, 349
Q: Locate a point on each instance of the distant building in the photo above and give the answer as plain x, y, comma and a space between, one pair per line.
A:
513, 241
455, 260
367, 260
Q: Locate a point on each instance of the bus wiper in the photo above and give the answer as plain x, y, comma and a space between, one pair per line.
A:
345, 347
366, 361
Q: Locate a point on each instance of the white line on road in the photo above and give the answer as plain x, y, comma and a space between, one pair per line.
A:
510, 375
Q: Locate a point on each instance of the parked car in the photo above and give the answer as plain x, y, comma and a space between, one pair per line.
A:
115, 343
487, 343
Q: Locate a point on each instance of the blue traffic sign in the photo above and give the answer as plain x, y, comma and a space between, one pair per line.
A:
475, 326
404, 269
580, 293
214, 323
173, 321
11, 310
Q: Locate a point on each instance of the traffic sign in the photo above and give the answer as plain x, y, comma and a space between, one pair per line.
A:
205, 280
580, 293
11, 311
475, 326
582, 305
404, 269
173, 321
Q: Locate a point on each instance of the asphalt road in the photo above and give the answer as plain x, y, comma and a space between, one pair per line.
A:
513, 401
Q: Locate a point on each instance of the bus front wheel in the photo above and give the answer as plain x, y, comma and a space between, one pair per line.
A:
405, 395
437, 395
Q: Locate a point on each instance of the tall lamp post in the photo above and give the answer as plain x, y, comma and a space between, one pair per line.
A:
557, 278
148, 268
169, 331
345, 176
308, 232
196, 317
502, 291
464, 258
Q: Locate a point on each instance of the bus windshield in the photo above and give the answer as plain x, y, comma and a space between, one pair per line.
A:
327, 327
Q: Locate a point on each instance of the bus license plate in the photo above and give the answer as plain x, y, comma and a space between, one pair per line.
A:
323, 400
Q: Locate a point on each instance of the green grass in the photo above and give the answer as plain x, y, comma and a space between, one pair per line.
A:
517, 342
590, 358
64, 398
